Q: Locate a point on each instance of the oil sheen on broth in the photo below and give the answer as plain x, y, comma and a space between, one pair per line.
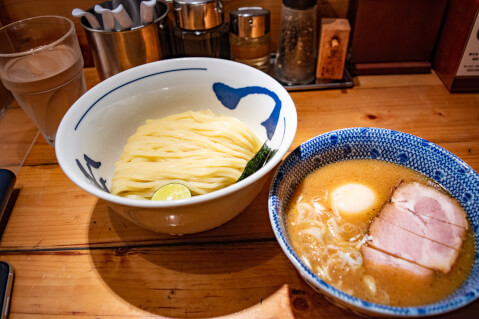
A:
327, 232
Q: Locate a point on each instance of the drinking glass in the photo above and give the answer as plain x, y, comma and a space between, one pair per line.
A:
5, 98
5, 95
41, 64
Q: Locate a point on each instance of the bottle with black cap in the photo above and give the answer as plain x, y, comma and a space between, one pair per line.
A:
297, 48
250, 36
200, 29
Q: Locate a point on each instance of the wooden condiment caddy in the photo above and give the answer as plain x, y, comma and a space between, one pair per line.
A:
333, 47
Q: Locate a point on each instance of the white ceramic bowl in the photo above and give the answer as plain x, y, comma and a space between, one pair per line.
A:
94, 131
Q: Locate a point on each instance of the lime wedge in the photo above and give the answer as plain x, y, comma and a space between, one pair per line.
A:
172, 191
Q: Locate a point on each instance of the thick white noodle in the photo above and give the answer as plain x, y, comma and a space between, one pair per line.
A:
201, 150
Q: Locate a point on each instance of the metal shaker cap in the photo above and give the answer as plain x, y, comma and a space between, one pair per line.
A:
198, 14
250, 22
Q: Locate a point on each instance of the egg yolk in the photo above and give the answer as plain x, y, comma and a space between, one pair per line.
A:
352, 198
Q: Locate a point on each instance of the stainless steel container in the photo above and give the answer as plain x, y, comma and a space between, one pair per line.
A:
200, 29
117, 51
198, 15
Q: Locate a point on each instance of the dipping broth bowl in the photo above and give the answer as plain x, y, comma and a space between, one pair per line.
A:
375, 143
94, 132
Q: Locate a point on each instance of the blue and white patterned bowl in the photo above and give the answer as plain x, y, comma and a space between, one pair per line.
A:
392, 146
94, 131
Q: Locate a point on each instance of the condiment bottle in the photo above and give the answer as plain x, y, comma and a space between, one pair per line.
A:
250, 37
200, 29
297, 49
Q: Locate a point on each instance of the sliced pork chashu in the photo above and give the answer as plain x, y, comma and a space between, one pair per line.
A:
421, 225
431, 228
406, 245
429, 201
377, 257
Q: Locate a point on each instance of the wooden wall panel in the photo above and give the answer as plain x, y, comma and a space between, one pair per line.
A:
452, 42
391, 36
13, 10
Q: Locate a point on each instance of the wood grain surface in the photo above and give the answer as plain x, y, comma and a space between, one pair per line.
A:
73, 256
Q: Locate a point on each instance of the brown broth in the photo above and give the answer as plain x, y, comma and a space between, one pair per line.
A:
402, 288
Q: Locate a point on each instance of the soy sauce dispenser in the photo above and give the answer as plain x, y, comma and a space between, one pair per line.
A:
250, 36
201, 29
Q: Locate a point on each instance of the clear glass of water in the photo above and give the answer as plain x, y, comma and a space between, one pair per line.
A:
41, 64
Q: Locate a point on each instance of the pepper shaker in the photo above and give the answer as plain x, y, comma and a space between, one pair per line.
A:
297, 49
250, 36
200, 29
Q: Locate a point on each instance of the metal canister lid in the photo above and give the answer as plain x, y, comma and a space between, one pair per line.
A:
198, 14
250, 22
300, 4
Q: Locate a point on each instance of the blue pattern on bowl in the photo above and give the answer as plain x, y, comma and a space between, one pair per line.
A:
88, 172
230, 98
365, 143
227, 95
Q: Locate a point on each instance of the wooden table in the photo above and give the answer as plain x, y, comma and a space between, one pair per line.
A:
74, 256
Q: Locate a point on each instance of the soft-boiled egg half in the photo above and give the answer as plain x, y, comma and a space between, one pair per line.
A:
352, 198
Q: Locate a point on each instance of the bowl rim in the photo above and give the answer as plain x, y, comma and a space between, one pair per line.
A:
126, 77
329, 290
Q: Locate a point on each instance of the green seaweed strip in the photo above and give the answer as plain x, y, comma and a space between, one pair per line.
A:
259, 160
